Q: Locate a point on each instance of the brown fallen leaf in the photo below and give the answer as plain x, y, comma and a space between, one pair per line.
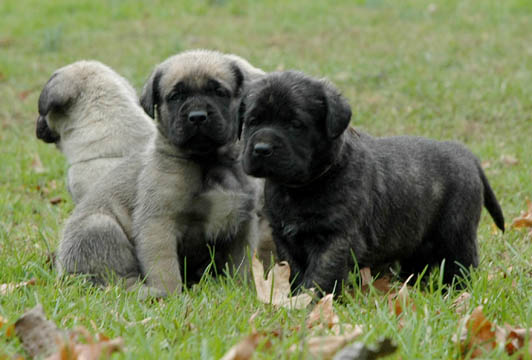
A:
398, 301
103, 347
324, 347
509, 160
478, 336
6, 328
245, 349
525, 219
323, 314
461, 303
381, 284
39, 336
360, 351
36, 165
275, 289
56, 200
10, 287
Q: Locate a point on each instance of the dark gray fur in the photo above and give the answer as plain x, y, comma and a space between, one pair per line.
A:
333, 194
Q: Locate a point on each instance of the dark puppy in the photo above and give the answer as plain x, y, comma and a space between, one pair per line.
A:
332, 195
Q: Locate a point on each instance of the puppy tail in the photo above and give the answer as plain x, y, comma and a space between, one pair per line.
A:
490, 201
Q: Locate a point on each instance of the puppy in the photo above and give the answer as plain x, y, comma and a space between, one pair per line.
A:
166, 212
93, 116
194, 202
333, 195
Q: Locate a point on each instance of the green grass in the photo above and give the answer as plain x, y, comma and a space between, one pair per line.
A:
448, 70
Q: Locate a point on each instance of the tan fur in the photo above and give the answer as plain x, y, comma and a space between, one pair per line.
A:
171, 190
99, 121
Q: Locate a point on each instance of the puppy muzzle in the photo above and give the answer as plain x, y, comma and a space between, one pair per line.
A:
43, 131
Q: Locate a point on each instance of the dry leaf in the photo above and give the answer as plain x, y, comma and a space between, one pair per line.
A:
8, 329
365, 276
398, 301
94, 350
478, 335
525, 219
39, 336
323, 314
461, 303
324, 347
275, 289
56, 200
9, 288
36, 165
244, 349
509, 160
381, 284
360, 351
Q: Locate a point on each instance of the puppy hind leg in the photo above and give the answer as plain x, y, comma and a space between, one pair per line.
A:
97, 246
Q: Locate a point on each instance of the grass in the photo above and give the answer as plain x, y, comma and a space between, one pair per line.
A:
448, 70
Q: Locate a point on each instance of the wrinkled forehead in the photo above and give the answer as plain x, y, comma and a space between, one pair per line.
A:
196, 71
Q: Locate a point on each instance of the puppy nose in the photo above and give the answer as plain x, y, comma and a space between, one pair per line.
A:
197, 117
262, 149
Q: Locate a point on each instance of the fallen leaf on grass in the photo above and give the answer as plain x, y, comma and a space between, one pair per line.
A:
324, 347
36, 165
245, 349
41, 338
275, 289
56, 200
323, 314
525, 219
400, 300
360, 351
509, 160
461, 303
9, 288
381, 284
102, 347
7, 329
477, 336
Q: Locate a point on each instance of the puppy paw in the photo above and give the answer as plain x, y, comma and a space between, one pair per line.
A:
147, 292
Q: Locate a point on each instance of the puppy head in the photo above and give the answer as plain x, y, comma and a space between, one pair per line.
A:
194, 95
291, 127
65, 88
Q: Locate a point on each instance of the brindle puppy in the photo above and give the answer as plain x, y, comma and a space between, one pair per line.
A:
333, 195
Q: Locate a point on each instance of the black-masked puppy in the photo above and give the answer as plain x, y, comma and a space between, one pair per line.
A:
333, 195
93, 116
195, 204
185, 201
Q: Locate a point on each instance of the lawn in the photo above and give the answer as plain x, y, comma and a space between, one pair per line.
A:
458, 70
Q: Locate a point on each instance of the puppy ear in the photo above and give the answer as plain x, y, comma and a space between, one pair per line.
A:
338, 111
150, 93
55, 95
239, 78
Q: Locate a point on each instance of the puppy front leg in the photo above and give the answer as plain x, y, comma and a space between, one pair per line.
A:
327, 264
157, 253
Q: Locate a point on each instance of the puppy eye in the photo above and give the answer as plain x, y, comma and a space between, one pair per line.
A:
252, 121
222, 92
176, 95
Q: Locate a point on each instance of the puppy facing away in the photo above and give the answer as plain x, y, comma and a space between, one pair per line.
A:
333, 195
93, 116
167, 212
